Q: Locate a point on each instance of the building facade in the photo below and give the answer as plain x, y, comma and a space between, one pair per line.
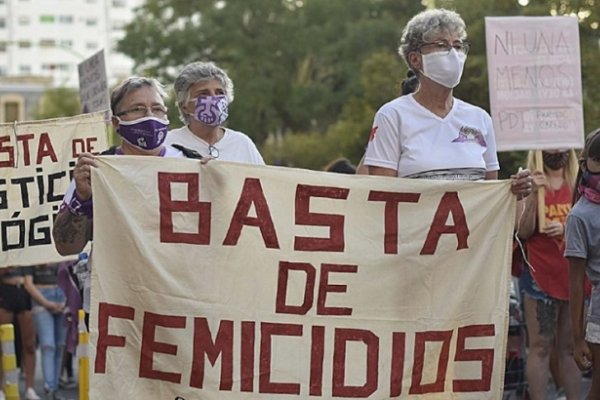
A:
48, 38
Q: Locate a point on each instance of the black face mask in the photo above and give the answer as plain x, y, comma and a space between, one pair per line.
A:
555, 161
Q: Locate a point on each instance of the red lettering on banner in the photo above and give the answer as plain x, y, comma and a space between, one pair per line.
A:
247, 356
24, 139
317, 355
83, 145
421, 338
398, 352
168, 206
45, 149
264, 381
391, 200
335, 242
252, 193
450, 204
106, 311
9, 150
325, 287
150, 346
281, 305
485, 356
222, 346
342, 336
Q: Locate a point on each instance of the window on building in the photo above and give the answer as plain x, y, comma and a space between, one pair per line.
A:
119, 3
2, 70
2, 47
91, 45
48, 67
47, 19
11, 111
2, 2
24, 44
66, 43
118, 24
91, 22
25, 69
47, 43
24, 19
65, 19
2, 23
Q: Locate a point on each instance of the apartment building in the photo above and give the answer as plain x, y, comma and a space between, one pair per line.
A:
48, 38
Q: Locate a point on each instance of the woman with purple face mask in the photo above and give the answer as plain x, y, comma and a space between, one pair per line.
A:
431, 134
140, 118
204, 92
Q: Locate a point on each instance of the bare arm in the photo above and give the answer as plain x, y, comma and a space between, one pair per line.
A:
382, 171
71, 233
581, 351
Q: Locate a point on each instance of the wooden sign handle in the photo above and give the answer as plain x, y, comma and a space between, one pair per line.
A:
541, 203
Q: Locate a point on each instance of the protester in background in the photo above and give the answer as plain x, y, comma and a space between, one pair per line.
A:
15, 302
431, 134
545, 284
203, 92
340, 165
48, 307
583, 252
67, 281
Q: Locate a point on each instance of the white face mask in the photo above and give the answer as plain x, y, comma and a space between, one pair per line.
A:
445, 69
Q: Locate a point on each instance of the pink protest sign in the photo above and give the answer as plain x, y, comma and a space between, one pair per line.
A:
534, 75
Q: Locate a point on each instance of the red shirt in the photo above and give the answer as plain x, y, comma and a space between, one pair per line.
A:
550, 268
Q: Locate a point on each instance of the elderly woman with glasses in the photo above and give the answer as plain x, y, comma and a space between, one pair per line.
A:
203, 92
430, 133
140, 118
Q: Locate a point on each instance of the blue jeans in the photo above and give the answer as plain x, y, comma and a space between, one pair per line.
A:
51, 333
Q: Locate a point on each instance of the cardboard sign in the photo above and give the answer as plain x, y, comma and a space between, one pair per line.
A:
535, 82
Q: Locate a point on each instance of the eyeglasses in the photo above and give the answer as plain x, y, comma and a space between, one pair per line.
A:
440, 46
142, 111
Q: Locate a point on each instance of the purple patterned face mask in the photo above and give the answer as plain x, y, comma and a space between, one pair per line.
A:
211, 110
147, 133
590, 186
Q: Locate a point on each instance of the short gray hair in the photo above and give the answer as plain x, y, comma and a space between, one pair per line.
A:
133, 83
196, 72
423, 25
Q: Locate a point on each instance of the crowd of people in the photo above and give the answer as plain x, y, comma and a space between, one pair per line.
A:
425, 133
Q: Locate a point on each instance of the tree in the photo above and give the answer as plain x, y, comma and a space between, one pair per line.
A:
294, 63
58, 102
310, 74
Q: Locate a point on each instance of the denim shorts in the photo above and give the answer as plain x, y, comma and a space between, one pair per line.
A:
528, 286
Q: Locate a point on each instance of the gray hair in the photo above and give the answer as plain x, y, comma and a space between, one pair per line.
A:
197, 72
423, 25
133, 83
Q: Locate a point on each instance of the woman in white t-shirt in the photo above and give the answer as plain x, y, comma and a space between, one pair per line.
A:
431, 134
203, 92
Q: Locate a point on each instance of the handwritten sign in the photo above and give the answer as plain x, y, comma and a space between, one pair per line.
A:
535, 82
36, 160
230, 281
93, 84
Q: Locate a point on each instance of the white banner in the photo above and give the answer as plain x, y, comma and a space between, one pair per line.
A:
36, 160
230, 281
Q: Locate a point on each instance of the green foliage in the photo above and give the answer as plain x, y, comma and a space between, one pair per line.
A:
310, 74
58, 102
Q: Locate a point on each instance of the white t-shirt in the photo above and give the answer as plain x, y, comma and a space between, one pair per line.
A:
410, 139
233, 146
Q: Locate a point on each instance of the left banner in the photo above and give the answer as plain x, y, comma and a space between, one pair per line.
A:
36, 160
